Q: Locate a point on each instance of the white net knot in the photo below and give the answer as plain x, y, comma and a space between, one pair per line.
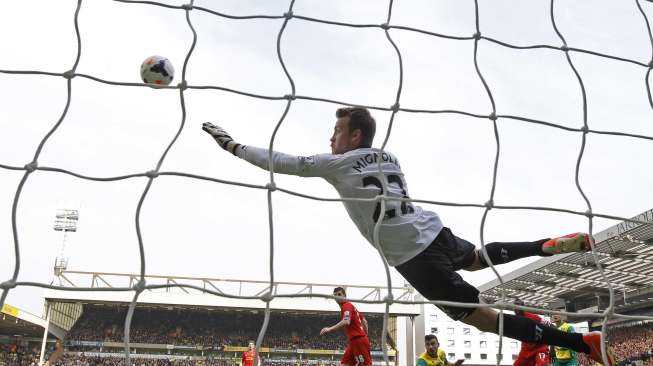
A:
69, 74
267, 297
139, 286
31, 166
8, 285
271, 187
152, 174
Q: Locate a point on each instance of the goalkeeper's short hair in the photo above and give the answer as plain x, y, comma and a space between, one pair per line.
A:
360, 119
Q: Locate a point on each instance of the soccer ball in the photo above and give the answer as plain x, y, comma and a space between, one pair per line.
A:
157, 70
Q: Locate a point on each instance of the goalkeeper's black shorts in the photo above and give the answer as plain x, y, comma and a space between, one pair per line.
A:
433, 273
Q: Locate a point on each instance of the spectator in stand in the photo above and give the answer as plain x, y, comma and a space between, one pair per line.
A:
56, 355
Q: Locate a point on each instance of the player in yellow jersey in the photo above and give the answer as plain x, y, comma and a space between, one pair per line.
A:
564, 356
434, 355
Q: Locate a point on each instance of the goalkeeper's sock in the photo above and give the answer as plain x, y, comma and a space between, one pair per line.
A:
501, 253
528, 330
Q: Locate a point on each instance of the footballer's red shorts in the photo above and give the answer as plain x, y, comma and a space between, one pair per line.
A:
538, 359
357, 352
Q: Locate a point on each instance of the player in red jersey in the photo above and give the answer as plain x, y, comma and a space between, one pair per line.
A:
250, 355
532, 354
352, 322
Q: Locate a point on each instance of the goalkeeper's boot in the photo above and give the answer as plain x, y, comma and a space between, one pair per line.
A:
593, 341
576, 242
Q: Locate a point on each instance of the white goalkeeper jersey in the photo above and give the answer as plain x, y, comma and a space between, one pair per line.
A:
406, 229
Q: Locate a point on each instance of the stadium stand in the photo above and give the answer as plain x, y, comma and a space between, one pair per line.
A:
118, 360
21, 353
218, 331
633, 343
183, 336
15, 355
21, 335
201, 327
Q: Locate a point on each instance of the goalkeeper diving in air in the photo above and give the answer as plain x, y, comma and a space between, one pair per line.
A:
412, 239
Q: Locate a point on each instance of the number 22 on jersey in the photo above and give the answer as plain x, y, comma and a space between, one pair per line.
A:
406, 207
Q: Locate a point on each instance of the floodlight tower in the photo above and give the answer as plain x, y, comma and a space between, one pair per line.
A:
66, 222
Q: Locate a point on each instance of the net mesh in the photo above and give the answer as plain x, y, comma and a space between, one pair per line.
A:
271, 187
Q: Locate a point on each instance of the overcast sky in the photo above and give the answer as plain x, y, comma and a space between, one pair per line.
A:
199, 228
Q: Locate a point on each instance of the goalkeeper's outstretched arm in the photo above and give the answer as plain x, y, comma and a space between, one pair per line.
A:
320, 165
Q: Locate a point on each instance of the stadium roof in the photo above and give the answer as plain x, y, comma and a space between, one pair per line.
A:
625, 251
16, 322
192, 295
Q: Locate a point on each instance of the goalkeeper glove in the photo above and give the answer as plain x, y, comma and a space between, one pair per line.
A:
221, 137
